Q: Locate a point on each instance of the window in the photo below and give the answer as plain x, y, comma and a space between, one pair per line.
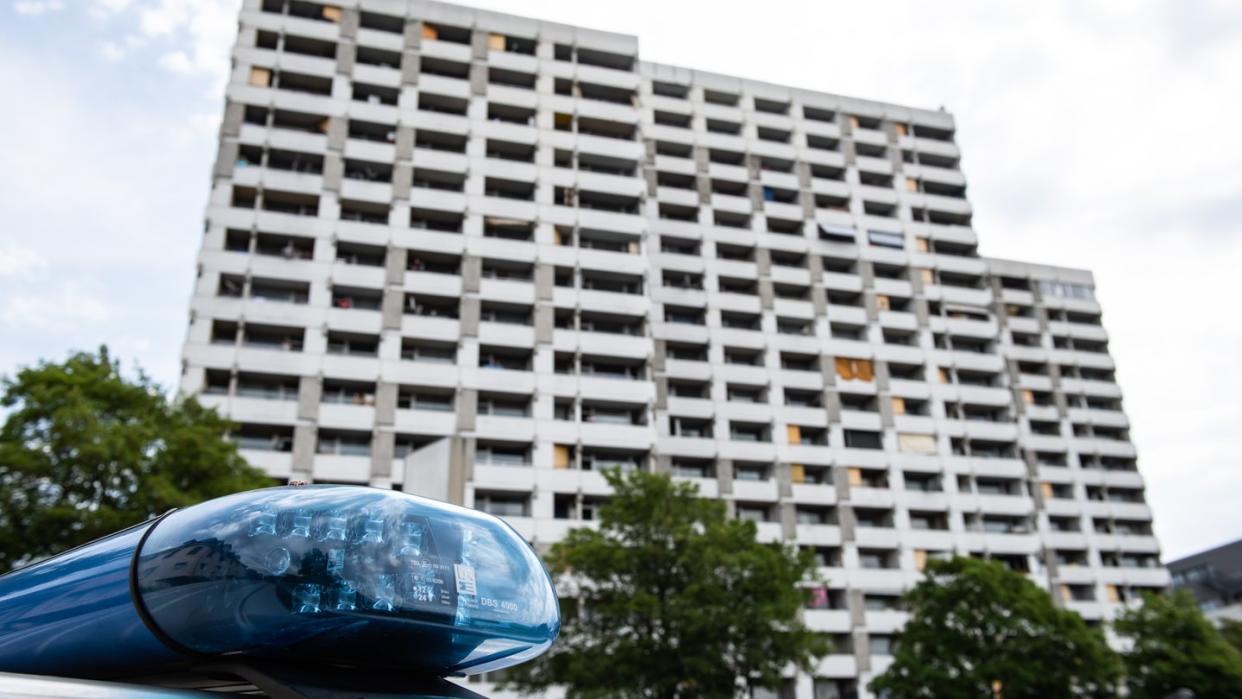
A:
1077, 291
809, 475
683, 315
862, 439
822, 598
867, 477
504, 358
750, 472
880, 645
344, 443
504, 313
916, 443
612, 369
808, 514
693, 468
881, 603
347, 393
504, 406
799, 362
495, 454
416, 399
923, 482
688, 389
614, 414
876, 558
749, 432
686, 352
503, 504
871, 517
746, 394
346, 298
428, 352
264, 387
851, 369
263, 438
803, 399
431, 306
670, 89
928, 520
353, 345
679, 246
753, 512
886, 239
601, 459
835, 689
807, 435
690, 427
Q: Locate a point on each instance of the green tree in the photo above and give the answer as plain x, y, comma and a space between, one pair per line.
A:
85, 452
1231, 630
673, 600
977, 629
1174, 647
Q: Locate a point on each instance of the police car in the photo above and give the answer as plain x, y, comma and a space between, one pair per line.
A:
297, 591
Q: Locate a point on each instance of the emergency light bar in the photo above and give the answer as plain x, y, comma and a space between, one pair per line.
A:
321, 575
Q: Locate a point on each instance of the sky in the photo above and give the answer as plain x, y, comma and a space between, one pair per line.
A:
1102, 135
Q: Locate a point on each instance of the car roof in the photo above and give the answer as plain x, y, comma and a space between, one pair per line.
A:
44, 687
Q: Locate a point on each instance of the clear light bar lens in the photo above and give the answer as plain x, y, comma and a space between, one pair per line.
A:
348, 575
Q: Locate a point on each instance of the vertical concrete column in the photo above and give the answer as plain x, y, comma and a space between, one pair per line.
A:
386, 393
305, 439
467, 409
841, 482
393, 307
226, 158
469, 320
471, 273
234, 117
310, 392
383, 445
724, 476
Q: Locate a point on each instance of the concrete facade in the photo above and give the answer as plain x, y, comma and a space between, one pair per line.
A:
429, 221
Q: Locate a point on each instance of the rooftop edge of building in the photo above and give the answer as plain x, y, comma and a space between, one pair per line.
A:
627, 44
1229, 551
1072, 275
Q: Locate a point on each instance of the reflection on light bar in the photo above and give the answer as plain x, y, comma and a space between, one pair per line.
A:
336, 575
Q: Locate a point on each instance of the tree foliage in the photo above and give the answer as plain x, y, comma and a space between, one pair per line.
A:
85, 452
1174, 647
675, 600
977, 629
1231, 630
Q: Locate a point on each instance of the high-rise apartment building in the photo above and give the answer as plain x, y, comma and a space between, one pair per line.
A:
483, 257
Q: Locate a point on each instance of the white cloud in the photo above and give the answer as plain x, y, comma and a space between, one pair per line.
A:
165, 17
201, 33
20, 262
63, 310
112, 51
37, 7
117, 50
177, 62
194, 37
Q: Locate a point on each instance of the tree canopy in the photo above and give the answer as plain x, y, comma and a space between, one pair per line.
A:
1172, 647
1231, 629
84, 451
978, 629
673, 600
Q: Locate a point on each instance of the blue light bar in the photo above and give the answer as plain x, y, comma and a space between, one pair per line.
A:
335, 575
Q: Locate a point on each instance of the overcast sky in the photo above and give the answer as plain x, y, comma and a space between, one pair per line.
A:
1104, 135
